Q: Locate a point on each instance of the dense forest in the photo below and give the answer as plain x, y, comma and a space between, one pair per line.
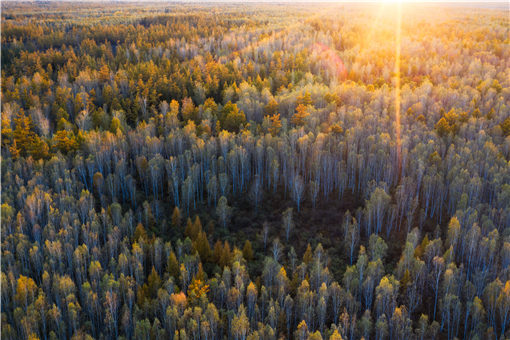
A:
257, 171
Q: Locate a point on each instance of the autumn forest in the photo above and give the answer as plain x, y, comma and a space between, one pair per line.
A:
255, 171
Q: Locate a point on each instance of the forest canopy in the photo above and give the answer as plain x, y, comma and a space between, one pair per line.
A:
257, 171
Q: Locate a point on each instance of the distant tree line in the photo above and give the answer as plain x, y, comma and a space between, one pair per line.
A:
133, 140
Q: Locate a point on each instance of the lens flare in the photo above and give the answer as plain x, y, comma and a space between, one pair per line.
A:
333, 59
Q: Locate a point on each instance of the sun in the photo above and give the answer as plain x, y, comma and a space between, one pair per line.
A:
394, 1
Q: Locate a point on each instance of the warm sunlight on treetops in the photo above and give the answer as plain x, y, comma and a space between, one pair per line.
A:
255, 171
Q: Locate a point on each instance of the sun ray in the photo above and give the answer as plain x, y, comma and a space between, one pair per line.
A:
397, 86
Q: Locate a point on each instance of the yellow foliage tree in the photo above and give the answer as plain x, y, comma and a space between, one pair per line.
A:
64, 141
196, 290
300, 115
276, 124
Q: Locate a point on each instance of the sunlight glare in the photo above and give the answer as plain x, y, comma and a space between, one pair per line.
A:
397, 85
